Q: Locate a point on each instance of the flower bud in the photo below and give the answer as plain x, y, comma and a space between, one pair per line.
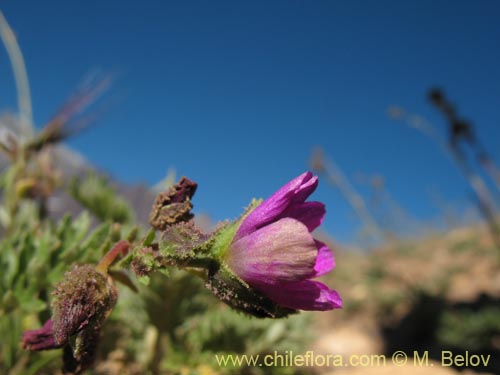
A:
83, 299
82, 302
174, 205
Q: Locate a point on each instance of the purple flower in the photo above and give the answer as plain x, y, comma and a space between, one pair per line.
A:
274, 252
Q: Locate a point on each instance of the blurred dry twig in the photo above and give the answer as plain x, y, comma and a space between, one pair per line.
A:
20, 75
337, 179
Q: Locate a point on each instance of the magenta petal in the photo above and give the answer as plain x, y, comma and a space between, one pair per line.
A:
303, 295
325, 261
281, 251
295, 191
306, 188
311, 214
40, 339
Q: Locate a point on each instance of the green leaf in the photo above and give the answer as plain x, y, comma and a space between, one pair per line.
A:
97, 238
33, 304
150, 237
95, 194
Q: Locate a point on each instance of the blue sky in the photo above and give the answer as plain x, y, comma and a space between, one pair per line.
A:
236, 94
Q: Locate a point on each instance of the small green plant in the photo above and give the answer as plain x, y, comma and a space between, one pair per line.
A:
64, 276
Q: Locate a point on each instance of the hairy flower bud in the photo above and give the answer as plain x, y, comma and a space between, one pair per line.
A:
84, 298
82, 302
174, 205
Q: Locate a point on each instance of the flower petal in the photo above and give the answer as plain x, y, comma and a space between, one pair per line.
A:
309, 184
311, 214
281, 251
303, 295
295, 191
325, 261
40, 339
